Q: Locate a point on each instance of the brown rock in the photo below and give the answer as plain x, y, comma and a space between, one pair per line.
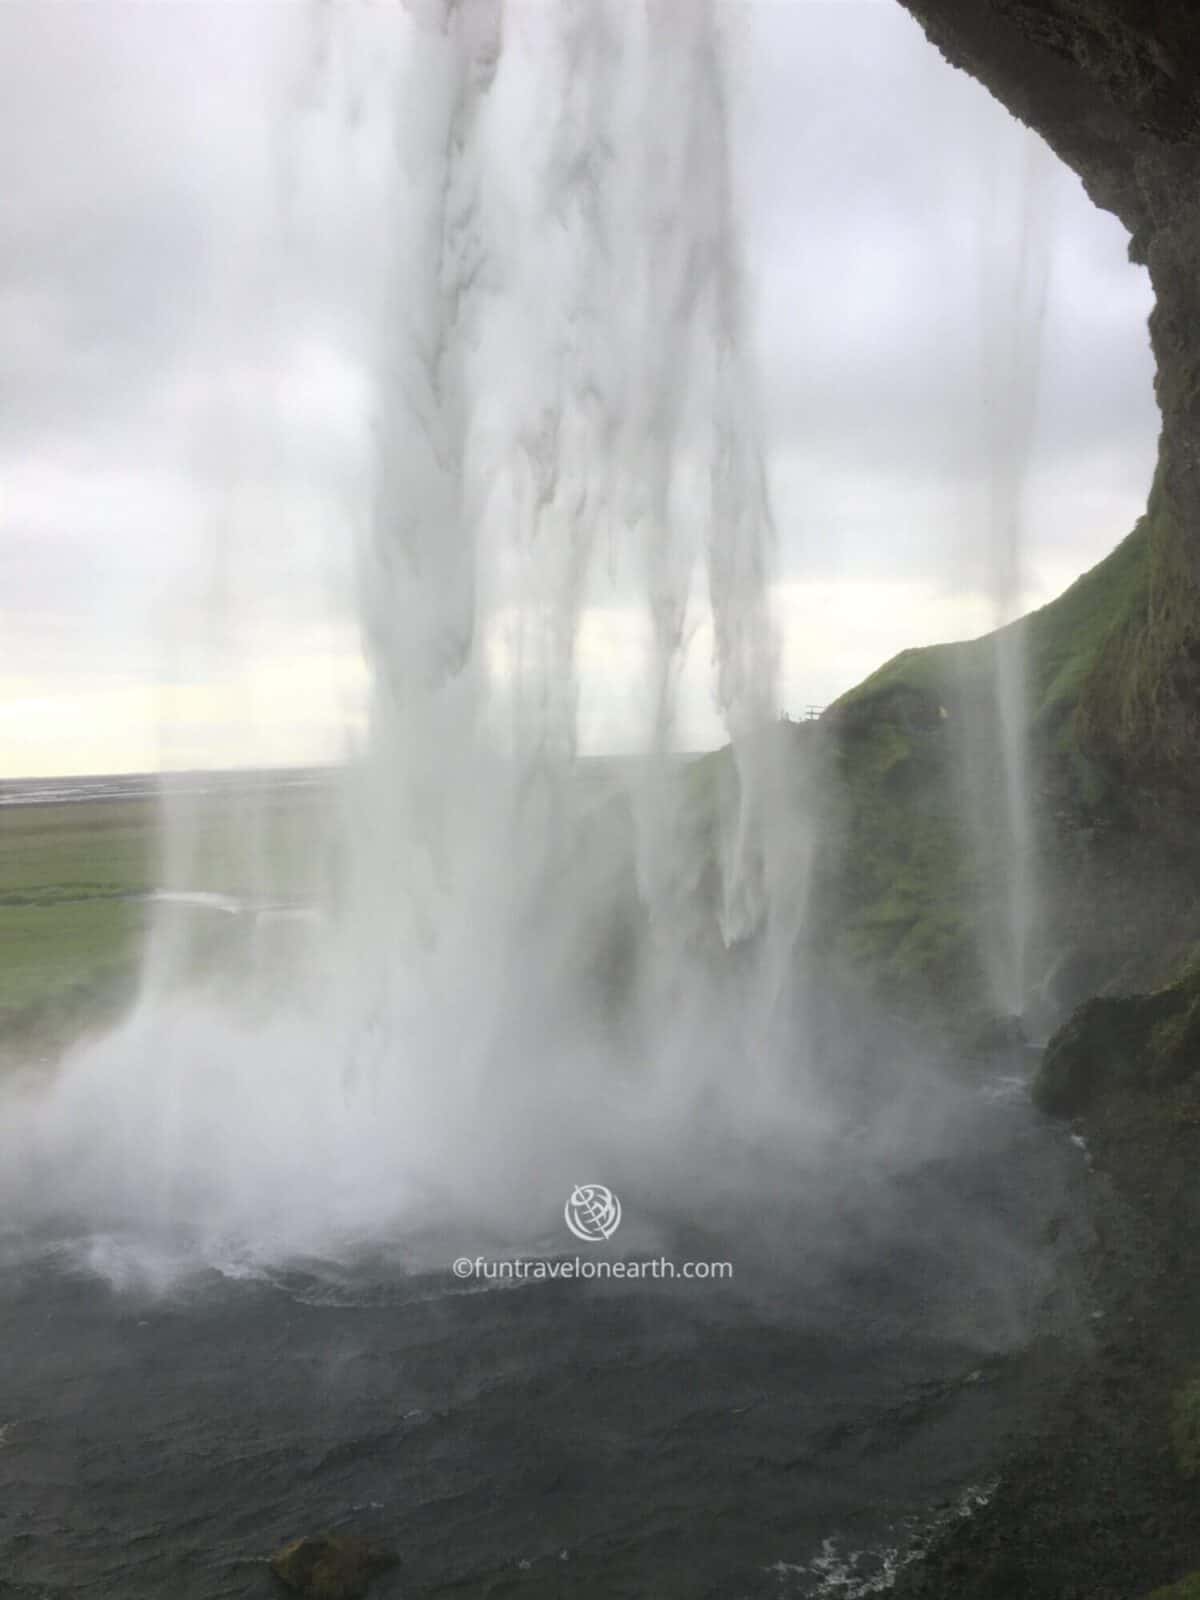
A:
330, 1566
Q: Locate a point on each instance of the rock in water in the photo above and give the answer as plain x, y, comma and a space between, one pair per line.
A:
1147, 1041
330, 1566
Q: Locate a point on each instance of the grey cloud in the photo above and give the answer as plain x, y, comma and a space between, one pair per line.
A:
144, 159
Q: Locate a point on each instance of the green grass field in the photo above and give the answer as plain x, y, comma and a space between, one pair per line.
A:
75, 882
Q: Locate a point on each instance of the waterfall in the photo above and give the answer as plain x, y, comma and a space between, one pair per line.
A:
536, 942
1015, 246
536, 964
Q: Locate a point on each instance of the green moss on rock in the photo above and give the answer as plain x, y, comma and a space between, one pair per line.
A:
1185, 1429
919, 736
1139, 706
1140, 1040
903, 895
912, 878
1064, 642
1186, 1589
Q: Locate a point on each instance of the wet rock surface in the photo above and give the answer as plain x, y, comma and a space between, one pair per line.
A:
331, 1566
1149, 1040
1101, 1505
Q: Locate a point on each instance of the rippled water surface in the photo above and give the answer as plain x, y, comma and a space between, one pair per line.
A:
166, 1423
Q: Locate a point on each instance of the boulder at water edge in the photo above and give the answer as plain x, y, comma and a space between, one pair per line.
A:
330, 1566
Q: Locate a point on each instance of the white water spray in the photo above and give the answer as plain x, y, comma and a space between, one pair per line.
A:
517, 967
523, 979
1015, 247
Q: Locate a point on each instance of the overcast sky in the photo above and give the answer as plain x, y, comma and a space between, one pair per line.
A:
180, 432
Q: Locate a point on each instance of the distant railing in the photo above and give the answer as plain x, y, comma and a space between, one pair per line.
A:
810, 714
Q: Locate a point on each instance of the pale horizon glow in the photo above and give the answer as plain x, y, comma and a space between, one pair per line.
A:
250, 721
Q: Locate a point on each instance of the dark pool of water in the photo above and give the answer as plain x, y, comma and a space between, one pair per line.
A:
773, 1436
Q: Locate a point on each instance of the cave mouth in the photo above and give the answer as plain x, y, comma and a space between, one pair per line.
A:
1115, 92
475, 1008
964, 350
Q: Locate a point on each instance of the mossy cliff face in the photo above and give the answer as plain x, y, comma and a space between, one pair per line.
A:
1113, 665
916, 770
1114, 87
903, 900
